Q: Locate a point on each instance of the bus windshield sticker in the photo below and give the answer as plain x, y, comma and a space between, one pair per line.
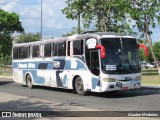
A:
111, 67
91, 43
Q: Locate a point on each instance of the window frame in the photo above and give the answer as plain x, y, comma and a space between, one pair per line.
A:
56, 48
82, 47
49, 49
15, 55
37, 55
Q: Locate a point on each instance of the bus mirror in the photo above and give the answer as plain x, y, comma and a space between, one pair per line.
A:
56, 64
144, 48
102, 51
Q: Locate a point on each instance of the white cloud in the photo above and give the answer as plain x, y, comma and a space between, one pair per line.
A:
32, 12
29, 12
8, 5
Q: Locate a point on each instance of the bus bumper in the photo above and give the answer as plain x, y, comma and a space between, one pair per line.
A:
119, 85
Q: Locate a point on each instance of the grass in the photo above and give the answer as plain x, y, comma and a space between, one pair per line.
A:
150, 72
153, 80
6, 74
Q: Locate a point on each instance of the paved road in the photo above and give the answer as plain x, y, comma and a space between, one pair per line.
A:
145, 99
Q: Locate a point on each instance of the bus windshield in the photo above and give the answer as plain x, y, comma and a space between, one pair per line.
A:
122, 56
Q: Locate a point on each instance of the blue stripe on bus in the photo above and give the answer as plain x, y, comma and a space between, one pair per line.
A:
95, 82
65, 65
36, 79
32, 67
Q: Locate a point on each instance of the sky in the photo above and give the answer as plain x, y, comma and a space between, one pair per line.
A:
54, 22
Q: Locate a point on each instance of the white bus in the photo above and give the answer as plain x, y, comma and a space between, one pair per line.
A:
92, 61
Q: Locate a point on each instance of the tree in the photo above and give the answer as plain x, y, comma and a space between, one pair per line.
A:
156, 49
146, 14
116, 16
29, 37
108, 15
74, 31
9, 23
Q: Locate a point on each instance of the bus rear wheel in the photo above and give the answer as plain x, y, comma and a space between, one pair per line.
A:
29, 82
79, 87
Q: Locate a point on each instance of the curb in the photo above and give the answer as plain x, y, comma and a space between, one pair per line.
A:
151, 86
5, 77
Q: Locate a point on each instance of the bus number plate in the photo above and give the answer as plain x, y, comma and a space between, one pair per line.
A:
118, 84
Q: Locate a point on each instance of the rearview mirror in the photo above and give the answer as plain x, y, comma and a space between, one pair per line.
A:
144, 48
102, 51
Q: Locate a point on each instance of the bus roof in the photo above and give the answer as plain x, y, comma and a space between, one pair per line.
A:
84, 35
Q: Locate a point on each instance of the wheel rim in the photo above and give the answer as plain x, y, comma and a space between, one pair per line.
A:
80, 85
29, 82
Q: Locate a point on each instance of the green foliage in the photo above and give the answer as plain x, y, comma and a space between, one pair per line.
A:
5, 60
5, 44
142, 55
115, 15
9, 23
29, 37
74, 31
146, 14
108, 15
156, 49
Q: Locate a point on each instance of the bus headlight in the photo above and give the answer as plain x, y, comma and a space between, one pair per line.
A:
138, 78
109, 79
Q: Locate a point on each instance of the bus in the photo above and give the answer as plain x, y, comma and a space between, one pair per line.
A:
92, 61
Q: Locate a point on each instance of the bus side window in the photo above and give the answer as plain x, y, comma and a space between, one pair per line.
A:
28, 49
47, 50
25, 52
52, 49
78, 47
68, 48
56, 49
15, 53
20, 52
35, 51
60, 49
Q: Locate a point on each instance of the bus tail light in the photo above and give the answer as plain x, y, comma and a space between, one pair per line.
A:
102, 51
144, 48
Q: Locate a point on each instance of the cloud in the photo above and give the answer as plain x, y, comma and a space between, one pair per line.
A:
8, 5
29, 12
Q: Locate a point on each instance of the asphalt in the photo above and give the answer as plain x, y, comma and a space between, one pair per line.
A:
37, 104
46, 105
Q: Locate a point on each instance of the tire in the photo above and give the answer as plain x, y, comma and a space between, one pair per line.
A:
79, 87
29, 82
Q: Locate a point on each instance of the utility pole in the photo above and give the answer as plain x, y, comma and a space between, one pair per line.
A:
41, 19
79, 26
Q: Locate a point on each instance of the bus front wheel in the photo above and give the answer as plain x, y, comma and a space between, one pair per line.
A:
79, 87
29, 82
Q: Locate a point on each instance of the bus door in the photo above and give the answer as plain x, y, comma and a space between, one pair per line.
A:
92, 59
